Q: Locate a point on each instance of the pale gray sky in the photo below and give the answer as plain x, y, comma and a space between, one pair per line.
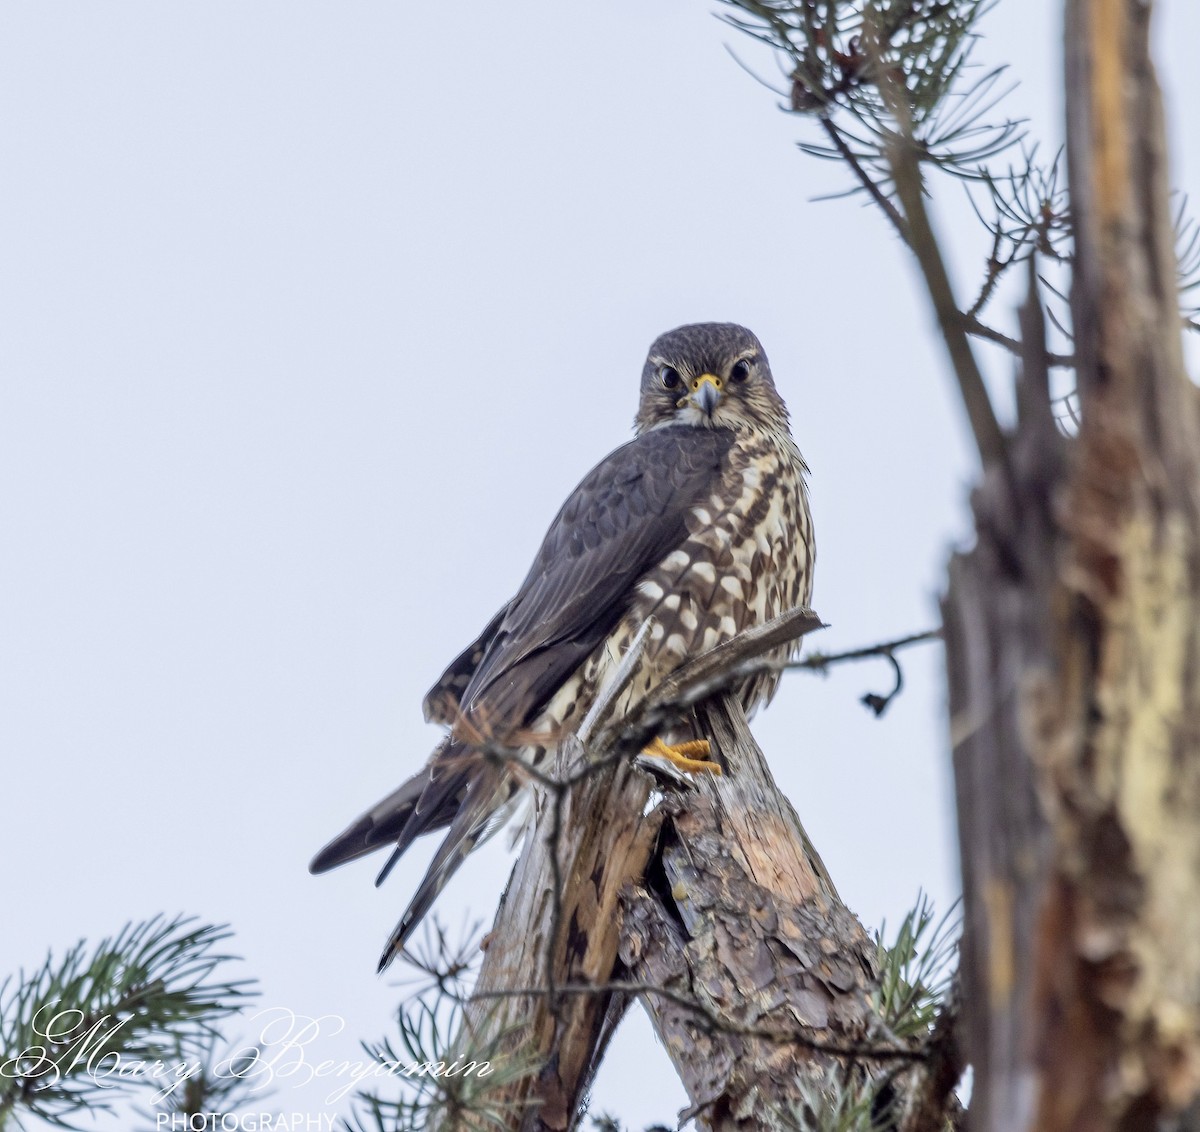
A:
311, 315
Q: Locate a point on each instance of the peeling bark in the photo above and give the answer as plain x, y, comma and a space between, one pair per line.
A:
565, 1031
743, 917
1073, 648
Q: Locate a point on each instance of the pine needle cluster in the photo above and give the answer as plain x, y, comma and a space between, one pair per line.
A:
153, 993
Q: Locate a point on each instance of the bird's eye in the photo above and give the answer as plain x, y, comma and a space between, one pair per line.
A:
741, 370
669, 376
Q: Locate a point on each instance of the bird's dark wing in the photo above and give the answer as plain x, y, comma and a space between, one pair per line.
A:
442, 700
629, 512
627, 515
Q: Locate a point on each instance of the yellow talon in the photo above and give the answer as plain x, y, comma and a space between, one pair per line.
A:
683, 755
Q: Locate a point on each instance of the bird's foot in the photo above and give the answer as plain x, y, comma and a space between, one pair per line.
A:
683, 755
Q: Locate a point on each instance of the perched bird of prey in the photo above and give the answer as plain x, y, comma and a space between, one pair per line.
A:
699, 525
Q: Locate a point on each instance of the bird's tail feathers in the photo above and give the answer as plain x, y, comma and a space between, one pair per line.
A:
447, 781
418, 806
483, 810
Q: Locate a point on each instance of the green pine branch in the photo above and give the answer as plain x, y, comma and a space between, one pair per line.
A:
916, 969
435, 1076
840, 55
152, 993
433, 1067
215, 1083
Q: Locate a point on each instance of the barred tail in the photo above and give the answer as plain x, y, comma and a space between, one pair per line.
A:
421, 805
454, 789
482, 811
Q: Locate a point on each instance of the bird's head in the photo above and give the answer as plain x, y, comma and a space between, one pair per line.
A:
709, 375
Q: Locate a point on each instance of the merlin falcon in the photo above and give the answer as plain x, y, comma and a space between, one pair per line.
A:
699, 527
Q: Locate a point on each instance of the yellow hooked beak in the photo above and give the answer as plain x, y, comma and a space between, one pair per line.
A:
706, 392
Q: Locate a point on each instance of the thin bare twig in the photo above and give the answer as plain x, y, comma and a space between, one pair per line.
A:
978, 329
886, 650
996, 266
714, 671
818, 662
906, 172
864, 178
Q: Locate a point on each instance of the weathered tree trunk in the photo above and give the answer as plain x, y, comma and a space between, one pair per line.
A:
556, 948
723, 906
740, 916
1073, 648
